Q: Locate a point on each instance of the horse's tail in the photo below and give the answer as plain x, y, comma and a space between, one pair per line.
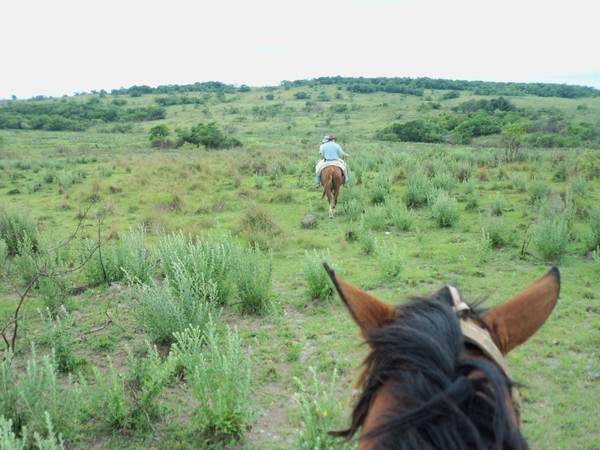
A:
327, 184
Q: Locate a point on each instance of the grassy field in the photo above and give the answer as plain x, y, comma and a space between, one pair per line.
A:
509, 221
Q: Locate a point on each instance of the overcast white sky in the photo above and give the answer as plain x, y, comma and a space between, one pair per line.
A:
61, 46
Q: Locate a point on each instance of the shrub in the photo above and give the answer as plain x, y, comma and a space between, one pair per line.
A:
485, 245
578, 186
497, 205
126, 259
208, 135
35, 397
444, 181
463, 171
15, 228
58, 333
375, 219
380, 189
445, 210
221, 384
366, 240
179, 303
3, 253
390, 261
253, 280
496, 232
482, 174
418, 190
130, 401
593, 239
538, 190
204, 268
317, 282
318, 413
551, 234
401, 218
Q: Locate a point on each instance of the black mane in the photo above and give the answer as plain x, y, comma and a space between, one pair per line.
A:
420, 355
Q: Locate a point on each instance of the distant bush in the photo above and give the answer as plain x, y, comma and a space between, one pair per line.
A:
413, 131
497, 205
158, 135
418, 190
538, 190
375, 218
318, 284
445, 210
15, 229
301, 95
496, 232
208, 135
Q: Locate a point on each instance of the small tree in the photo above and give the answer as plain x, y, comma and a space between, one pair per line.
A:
158, 135
512, 138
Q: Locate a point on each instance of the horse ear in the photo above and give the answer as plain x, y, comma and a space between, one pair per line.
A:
515, 321
368, 312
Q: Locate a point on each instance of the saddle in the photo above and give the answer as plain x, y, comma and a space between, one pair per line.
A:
321, 164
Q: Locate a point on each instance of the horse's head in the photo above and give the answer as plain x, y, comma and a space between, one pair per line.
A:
435, 376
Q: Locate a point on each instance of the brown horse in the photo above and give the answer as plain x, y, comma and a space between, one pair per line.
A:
435, 376
332, 179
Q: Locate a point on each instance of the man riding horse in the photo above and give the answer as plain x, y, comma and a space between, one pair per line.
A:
331, 170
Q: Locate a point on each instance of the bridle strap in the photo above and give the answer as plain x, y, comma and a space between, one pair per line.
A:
481, 338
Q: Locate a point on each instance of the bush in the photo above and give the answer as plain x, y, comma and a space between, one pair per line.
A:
208, 135
318, 413
538, 190
15, 229
317, 282
402, 218
497, 205
35, 397
413, 131
130, 401
253, 280
445, 210
593, 239
58, 333
179, 303
496, 232
375, 219
127, 259
221, 384
206, 268
551, 235
390, 261
418, 190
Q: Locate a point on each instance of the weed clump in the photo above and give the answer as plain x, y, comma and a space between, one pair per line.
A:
445, 210
317, 281
220, 384
16, 229
318, 413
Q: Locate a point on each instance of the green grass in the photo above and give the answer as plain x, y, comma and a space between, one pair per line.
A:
258, 195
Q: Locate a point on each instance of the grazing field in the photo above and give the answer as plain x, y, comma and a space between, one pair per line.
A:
171, 297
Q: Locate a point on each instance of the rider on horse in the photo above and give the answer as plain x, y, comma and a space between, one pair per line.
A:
332, 154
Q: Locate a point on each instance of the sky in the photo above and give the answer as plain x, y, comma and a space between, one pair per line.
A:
61, 46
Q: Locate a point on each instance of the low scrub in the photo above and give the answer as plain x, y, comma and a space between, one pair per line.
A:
220, 384
318, 284
253, 281
551, 233
444, 210
17, 228
418, 190
36, 401
318, 412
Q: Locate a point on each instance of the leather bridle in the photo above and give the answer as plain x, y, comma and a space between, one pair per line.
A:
480, 338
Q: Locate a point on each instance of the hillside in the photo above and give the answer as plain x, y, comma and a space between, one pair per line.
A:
480, 183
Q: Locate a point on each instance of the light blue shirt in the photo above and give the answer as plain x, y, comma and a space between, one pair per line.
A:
331, 151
